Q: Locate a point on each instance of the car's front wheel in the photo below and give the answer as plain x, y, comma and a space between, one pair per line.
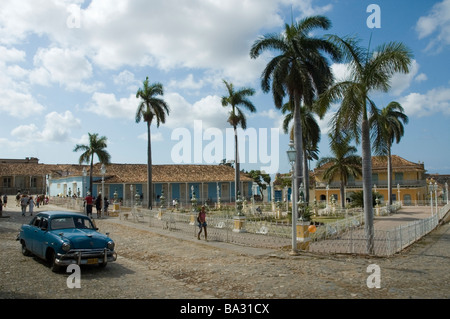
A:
51, 258
25, 250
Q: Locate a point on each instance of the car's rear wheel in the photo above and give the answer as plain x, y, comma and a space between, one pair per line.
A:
25, 250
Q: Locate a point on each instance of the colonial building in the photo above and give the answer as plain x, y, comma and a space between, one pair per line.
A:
175, 182
27, 175
408, 182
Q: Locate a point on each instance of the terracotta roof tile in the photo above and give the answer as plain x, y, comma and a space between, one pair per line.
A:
137, 173
379, 163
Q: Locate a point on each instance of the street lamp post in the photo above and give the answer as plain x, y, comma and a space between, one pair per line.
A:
131, 196
446, 190
431, 197
84, 181
84, 189
435, 195
103, 171
292, 154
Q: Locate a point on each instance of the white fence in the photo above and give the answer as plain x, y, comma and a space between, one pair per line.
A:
352, 240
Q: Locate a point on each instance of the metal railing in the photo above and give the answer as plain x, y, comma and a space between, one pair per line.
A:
353, 240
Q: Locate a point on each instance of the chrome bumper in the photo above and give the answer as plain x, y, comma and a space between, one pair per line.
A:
86, 257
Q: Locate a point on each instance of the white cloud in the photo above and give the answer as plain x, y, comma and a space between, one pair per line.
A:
25, 132
12, 54
401, 82
197, 34
307, 9
436, 23
68, 68
126, 80
106, 104
168, 34
57, 128
274, 115
341, 71
188, 83
15, 97
421, 77
434, 101
183, 114
19, 104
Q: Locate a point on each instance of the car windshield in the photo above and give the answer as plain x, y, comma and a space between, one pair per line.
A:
71, 222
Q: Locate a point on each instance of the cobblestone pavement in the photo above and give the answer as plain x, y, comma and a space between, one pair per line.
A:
156, 264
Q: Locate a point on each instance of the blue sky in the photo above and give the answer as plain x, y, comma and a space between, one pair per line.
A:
69, 67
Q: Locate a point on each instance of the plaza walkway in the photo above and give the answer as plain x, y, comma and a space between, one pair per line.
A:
404, 216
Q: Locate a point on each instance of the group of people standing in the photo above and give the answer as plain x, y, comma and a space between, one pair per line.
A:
24, 201
100, 205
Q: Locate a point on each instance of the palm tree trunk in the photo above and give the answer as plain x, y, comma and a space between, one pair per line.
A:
298, 141
389, 172
305, 177
367, 184
342, 191
90, 173
149, 170
236, 166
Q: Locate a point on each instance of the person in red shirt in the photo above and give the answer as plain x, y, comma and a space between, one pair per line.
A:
201, 219
88, 202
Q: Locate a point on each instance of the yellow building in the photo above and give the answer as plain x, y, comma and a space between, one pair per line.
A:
408, 182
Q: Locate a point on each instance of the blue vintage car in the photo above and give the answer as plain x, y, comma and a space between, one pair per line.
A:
64, 238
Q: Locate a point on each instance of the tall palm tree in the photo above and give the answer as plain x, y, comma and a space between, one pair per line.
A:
300, 71
237, 118
310, 137
96, 146
388, 128
151, 107
344, 163
369, 71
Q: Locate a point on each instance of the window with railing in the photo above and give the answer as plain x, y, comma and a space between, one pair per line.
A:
398, 178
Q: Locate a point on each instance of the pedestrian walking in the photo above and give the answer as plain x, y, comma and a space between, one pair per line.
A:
31, 205
105, 206
201, 219
5, 200
88, 200
24, 203
18, 197
98, 205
